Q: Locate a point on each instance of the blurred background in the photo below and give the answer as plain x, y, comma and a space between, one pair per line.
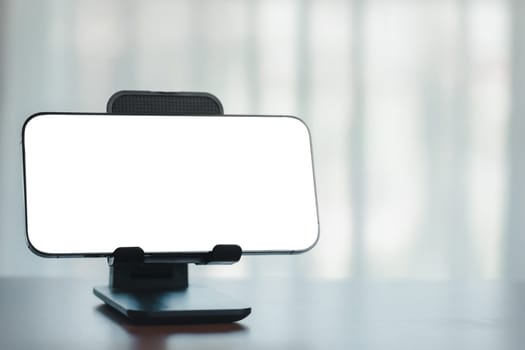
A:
415, 109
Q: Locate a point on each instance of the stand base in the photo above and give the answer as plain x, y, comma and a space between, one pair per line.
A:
192, 305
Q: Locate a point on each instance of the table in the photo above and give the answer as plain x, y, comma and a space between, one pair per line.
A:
51, 313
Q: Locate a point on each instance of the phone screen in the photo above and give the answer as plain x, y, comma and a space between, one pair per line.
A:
97, 182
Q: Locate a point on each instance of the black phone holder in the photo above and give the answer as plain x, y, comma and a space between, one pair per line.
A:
154, 288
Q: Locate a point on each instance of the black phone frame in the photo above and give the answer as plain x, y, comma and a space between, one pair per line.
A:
151, 287
155, 288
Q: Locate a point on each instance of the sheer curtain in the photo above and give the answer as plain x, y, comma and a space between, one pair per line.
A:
414, 107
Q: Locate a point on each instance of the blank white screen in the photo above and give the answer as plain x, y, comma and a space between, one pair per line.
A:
168, 184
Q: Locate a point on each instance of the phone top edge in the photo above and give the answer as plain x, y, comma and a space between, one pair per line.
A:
34, 115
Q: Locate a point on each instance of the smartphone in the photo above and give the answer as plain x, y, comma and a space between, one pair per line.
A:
168, 184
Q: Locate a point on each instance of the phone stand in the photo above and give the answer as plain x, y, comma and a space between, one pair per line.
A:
155, 289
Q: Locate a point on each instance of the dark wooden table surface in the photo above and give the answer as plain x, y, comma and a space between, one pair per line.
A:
47, 313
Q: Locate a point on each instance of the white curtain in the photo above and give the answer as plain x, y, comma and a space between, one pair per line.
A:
414, 106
